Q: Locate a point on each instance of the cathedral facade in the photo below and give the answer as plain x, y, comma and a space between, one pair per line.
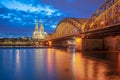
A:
39, 33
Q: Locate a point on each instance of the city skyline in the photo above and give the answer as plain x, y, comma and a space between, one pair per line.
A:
17, 17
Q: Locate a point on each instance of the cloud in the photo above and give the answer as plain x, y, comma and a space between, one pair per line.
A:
5, 16
24, 14
45, 9
76, 8
53, 26
16, 19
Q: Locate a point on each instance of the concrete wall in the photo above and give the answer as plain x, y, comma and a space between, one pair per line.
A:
112, 43
92, 44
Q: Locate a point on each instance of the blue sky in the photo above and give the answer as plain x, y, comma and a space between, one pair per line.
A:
17, 17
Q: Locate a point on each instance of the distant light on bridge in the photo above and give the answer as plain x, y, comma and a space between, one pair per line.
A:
102, 22
78, 40
78, 43
50, 43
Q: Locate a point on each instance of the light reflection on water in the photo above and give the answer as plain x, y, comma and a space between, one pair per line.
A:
119, 63
56, 64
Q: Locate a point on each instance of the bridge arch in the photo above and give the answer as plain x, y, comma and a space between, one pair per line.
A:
69, 27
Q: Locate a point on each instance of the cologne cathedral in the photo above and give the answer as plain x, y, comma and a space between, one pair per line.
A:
39, 33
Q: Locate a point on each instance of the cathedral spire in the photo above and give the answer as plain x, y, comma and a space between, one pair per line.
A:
36, 27
41, 26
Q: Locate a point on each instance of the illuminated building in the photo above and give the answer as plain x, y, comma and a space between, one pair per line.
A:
39, 33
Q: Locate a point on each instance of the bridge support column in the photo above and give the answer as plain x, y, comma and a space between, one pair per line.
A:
112, 43
78, 43
50, 43
92, 44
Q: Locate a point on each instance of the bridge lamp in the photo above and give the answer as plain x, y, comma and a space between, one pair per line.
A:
78, 43
102, 22
78, 40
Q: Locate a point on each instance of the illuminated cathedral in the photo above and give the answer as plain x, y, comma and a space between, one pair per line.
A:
39, 33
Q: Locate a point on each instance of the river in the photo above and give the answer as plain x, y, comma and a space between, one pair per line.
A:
58, 64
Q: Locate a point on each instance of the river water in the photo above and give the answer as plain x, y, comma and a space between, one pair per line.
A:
58, 64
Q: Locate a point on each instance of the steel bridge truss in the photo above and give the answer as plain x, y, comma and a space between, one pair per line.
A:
106, 16
68, 27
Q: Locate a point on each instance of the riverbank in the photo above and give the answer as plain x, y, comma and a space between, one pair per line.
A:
24, 47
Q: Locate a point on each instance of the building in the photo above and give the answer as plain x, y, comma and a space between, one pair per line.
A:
39, 33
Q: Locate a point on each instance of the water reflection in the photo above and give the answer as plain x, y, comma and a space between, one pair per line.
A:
17, 57
119, 62
56, 64
49, 61
108, 64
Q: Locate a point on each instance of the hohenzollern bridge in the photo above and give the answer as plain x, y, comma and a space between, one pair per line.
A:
99, 32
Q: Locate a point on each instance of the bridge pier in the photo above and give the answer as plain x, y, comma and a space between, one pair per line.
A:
85, 44
109, 43
112, 43
78, 43
49, 43
92, 44
59, 43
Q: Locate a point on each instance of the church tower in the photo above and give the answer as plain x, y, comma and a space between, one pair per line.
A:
35, 33
36, 27
39, 33
41, 26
